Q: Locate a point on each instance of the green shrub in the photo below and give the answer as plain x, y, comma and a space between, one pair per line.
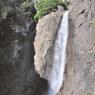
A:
93, 23
88, 93
91, 52
44, 7
21, 1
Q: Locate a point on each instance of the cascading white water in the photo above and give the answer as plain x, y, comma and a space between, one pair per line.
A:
56, 76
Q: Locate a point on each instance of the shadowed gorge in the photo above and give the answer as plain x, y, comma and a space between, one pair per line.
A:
17, 72
46, 50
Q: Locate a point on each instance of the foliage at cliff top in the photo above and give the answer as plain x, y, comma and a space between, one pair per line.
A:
44, 7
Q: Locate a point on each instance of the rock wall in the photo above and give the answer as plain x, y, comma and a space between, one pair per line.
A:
80, 68
17, 72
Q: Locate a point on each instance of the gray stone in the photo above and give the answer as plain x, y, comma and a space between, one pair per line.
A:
44, 41
80, 71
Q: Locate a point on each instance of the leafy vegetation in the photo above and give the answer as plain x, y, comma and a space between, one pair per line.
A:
92, 51
44, 7
93, 23
22, 1
88, 93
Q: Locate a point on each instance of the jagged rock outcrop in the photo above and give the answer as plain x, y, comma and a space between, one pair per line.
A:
47, 28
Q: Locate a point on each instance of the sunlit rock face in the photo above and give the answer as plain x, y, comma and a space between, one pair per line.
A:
80, 74
44, 43
50, 46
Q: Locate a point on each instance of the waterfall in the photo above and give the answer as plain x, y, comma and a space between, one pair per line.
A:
59, 60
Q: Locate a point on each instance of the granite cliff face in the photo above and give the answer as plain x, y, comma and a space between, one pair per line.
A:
47, 28
80, 67
80, 74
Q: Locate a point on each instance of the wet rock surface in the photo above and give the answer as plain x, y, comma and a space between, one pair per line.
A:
47, 28
80, 68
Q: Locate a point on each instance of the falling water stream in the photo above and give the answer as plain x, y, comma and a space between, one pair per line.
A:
59, 60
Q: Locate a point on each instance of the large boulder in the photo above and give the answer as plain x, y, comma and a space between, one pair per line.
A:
44, 42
